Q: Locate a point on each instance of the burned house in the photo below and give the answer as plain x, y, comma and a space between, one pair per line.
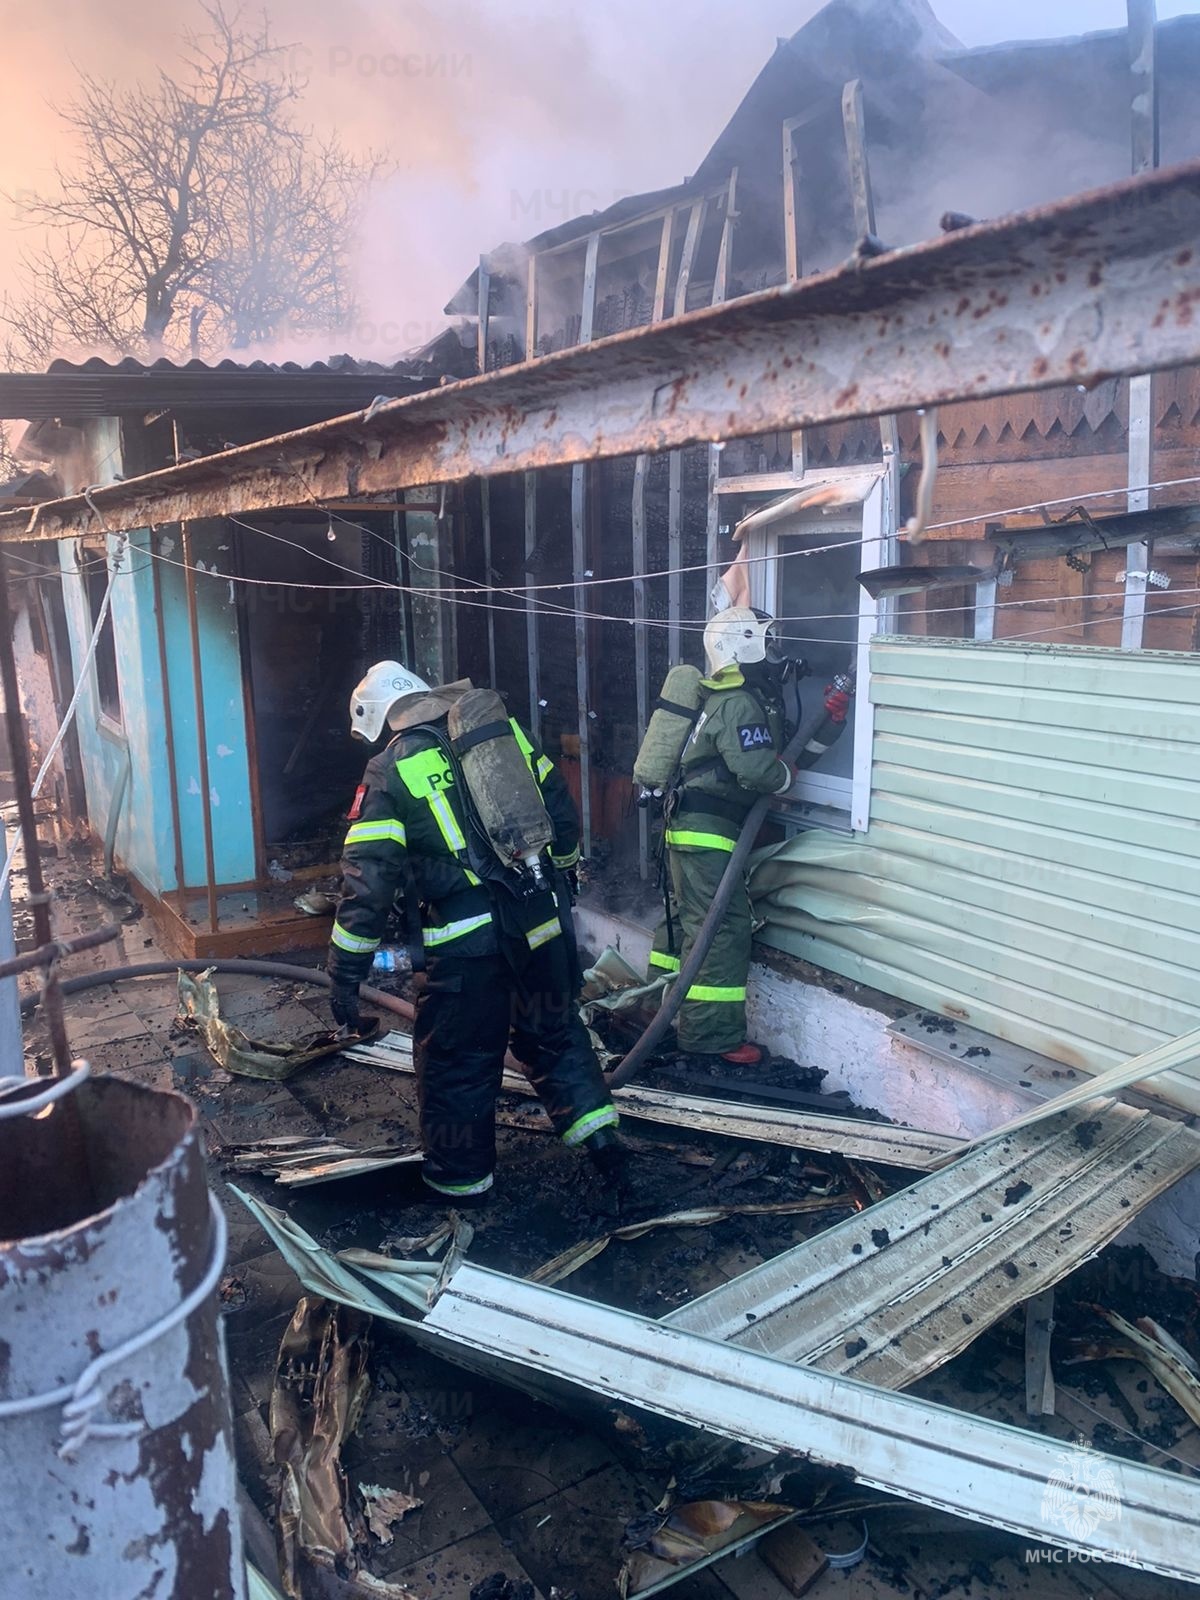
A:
1005, 838
208, 832
985, 897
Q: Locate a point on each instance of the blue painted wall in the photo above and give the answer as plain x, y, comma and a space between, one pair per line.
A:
145, 838
144, 841
224, 708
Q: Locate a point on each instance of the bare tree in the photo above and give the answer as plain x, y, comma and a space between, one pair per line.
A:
195, 203
287, 221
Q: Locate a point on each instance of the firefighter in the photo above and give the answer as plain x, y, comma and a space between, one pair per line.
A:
492, 959
730, 758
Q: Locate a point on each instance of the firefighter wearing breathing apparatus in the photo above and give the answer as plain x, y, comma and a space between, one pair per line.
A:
731, 756
465, 816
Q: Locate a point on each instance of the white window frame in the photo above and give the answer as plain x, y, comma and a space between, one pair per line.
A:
850, 798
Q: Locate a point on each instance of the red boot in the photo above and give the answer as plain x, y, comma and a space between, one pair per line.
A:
746, 1055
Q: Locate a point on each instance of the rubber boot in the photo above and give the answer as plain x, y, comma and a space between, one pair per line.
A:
609, 1156
611, 1159
745, 1055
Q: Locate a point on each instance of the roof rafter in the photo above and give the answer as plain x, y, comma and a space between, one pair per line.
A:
1085, 289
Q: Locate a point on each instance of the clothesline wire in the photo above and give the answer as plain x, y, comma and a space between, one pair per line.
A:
743, 560
552, 611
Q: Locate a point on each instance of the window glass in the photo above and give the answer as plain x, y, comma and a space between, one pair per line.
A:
817, 603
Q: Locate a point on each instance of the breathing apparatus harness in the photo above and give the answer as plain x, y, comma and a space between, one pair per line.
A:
767, 681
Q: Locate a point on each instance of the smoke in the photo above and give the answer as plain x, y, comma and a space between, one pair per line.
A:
502, 118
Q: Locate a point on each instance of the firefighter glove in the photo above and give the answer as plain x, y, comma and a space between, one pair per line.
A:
837, 702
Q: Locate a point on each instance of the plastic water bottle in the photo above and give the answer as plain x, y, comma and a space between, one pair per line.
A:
391, 960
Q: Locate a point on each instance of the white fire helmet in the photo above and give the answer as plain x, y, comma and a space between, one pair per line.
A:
386, 684
737, 634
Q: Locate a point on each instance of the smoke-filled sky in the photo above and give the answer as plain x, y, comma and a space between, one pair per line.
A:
503, 116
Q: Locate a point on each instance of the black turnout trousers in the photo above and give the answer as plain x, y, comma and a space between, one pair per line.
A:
464, 1017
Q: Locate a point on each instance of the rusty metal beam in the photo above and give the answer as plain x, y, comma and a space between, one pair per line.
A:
1143, 130
579, 570
1102, 285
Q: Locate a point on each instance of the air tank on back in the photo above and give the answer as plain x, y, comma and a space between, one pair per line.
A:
671, 722
503, 790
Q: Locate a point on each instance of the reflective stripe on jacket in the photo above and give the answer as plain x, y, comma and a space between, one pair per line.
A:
411, 821
732, 755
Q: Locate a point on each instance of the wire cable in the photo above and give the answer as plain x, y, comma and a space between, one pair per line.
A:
555, 613
81, 680
1066, 500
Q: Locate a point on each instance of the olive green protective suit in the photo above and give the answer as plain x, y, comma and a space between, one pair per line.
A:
731, 757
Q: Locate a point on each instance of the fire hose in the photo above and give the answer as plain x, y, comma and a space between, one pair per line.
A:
256, 969
807, 745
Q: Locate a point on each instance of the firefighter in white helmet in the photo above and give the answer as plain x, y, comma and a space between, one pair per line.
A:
493, 959
731, 757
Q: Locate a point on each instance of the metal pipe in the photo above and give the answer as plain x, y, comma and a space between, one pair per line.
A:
47, 953
210, 867
255, 969
39, 900
117, 1462
1143, 124
114, 808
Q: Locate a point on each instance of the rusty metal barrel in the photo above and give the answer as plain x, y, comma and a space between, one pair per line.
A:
117, 1473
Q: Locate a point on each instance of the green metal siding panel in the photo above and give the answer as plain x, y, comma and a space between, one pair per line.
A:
1033, 860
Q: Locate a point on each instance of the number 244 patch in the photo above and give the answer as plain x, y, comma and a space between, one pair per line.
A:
756, 736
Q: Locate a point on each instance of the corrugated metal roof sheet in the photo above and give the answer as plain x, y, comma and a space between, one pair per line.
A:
911, 1148
543, 1339
104, 388
891, 1294
966, 1465
1032, 864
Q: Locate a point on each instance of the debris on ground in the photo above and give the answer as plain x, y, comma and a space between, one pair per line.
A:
384, 1508
296, 1162
200, 1007
512, 1491
321, 1387
568, 1261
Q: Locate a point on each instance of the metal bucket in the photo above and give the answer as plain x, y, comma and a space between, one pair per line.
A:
110, 1258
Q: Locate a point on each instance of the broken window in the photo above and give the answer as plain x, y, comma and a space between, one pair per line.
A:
804, 569
94, 568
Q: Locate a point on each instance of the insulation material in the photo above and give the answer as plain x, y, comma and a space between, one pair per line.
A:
321, 1386
200, 1007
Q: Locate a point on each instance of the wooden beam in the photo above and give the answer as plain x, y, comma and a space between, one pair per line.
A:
854, 127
